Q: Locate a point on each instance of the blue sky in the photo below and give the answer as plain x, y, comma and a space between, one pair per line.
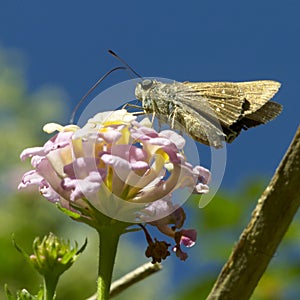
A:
65, 44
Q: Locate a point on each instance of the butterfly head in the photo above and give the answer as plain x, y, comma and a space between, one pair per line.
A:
142, 89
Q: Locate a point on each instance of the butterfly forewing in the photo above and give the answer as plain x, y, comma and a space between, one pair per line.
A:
214, 104
230, 101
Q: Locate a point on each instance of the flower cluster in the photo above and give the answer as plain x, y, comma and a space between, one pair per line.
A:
120, 167
52, 256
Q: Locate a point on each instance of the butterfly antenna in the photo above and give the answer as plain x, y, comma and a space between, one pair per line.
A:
124, 63
91, 90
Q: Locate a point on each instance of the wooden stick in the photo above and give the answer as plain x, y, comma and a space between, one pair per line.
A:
269, 222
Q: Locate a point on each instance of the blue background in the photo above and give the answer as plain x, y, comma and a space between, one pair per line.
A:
65, 43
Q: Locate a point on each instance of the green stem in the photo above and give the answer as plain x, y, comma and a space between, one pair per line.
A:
109, 239
50, 284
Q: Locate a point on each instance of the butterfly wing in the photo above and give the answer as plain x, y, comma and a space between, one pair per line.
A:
237, 105
228, 101
197, 126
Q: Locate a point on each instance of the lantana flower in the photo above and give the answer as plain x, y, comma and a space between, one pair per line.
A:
116, 170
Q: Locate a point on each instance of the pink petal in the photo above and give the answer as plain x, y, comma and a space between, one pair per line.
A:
81, 187
174, 137
201, 188
44, 168
30, 178
203, 174
111, 136
188, 237
81, 167
30, 152
143, 133
48, 192
60, 140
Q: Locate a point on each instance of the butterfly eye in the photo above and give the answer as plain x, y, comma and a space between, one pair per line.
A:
146, 84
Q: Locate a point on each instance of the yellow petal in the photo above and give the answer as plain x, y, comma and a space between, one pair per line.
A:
52, 127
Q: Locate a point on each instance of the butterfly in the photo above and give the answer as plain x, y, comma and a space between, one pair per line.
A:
210, 112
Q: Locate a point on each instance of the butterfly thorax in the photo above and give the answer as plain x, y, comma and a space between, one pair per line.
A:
157, 97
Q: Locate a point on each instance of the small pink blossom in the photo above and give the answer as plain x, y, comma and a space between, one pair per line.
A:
186, 237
